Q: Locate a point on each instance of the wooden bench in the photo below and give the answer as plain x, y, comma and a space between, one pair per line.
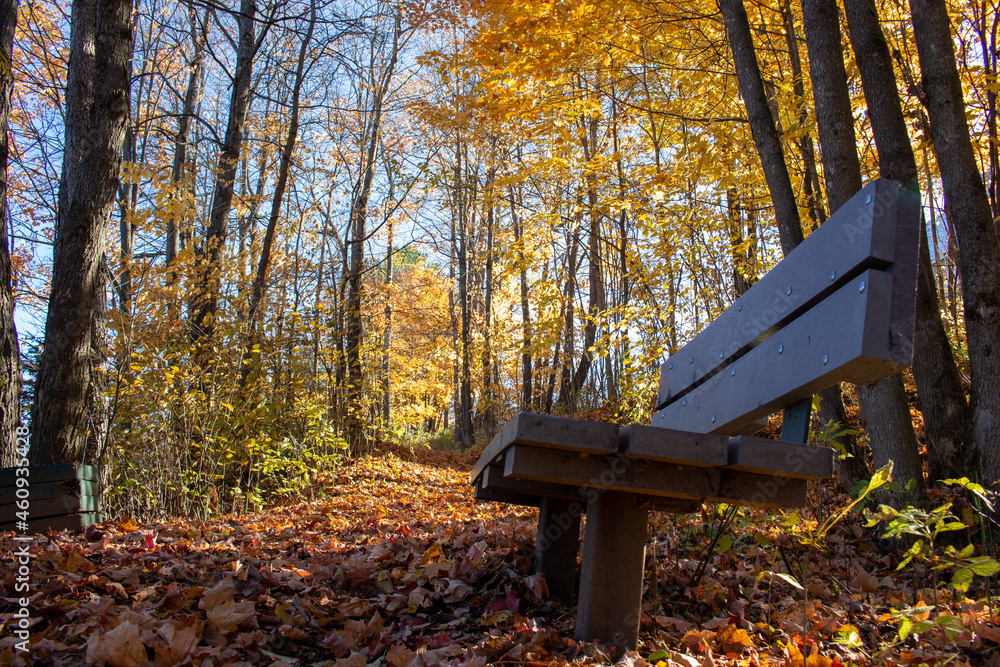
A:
65, 496
839, 308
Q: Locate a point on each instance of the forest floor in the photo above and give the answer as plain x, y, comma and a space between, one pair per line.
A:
392, 563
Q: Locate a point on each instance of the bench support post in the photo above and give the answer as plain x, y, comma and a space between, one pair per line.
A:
614, 550
556, 545
795, 421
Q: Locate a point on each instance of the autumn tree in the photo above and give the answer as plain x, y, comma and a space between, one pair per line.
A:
10, 362
379, 79
969, 205
96, 115
853, 468
934, 369
205, 304
886, 412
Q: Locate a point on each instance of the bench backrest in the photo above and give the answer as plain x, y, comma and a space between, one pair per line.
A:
838, 308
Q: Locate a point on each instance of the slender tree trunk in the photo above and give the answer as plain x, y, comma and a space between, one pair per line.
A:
387, 332
935, 373
567, 395
206, 303
359, 235
596, 299
765, 134
982, 14
973, 220
810, 179
463, 420
59, 417
456, 364
526, 379
126, 228
489, 408
199, 38
10, 357
284, 166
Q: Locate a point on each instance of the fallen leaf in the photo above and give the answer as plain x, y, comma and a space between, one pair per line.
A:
864, 582
732, 639
230, 614
121, 647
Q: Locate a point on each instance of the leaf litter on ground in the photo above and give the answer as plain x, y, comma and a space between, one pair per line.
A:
396, 565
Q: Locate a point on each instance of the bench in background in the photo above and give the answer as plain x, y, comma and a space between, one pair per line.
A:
60, 497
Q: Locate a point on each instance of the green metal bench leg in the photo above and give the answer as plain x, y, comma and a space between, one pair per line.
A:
795, 421
614, 550
556, 545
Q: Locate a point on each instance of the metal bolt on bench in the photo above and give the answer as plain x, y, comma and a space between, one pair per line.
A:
839, 308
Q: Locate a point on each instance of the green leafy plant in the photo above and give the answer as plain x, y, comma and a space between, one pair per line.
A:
926, 527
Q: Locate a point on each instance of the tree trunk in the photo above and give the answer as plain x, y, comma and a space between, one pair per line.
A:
489, 409
199, 37
10, 357
852, 468
935, 373
79, 93
972, 217
765, 134
810, 179
526, 379
884, 407
595, 300
567, 394
387, 332
260, 277
206, 303
982, 14
359, 235
59, 417
463, 420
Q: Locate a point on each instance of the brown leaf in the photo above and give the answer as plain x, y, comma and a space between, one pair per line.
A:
698, 639
181, 640
74, 562
121, 647
433, 570
672, 622
399, 656
217, 595
420, 597
988, 632
864, 582
228, 615
457, 591
631, 659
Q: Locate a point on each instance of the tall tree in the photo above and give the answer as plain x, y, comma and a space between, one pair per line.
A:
885, 408
765, 135
87, 191
852, 468
182, 142
810, 179
969, 204
206, 302
522, 273
10, 361
284, 166
358, 219
939, 386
